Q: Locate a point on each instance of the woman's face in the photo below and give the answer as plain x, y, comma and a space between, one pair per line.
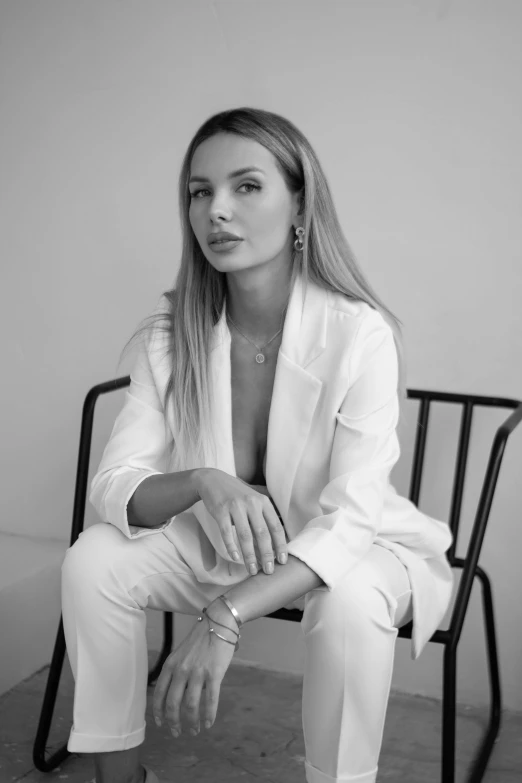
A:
256, 206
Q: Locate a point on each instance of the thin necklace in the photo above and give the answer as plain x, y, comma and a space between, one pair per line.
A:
260, 357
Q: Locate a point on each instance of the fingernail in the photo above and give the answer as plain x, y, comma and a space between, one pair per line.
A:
283, 558
194, 732
175, 733
235, 555
252, 568
208, 724
158, 722
270, 567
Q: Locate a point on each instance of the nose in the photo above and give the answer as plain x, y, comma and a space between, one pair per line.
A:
218, 205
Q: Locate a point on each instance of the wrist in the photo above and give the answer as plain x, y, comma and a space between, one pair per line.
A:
198, 479
220, 631
222, 614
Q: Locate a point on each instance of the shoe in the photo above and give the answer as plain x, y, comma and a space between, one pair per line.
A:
150, 776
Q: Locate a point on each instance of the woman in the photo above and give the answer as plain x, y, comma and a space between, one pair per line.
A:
259, 427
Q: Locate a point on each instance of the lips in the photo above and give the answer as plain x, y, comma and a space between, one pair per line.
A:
222, 236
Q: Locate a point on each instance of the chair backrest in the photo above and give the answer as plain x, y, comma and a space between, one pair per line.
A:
468, 403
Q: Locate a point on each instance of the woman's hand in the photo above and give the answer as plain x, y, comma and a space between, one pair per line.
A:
197, 666
231, 501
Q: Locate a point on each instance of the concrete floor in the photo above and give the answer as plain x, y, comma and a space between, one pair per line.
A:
257, 736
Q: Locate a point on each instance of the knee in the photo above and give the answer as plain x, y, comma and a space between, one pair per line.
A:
91, 559
360, 602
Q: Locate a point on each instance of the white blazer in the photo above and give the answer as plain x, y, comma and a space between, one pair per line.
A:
331, 446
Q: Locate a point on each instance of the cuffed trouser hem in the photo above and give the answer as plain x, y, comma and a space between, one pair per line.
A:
90, 743
314, 775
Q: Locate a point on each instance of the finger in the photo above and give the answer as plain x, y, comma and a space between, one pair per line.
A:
225, 525
262, 536
264, 543
244, 536
210, 706
160, 692
277, 532
191, 702
173, 699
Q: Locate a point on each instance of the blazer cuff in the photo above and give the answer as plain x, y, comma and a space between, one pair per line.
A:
116, 508
322, 552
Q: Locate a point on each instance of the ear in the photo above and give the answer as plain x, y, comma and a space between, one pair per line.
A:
299, 203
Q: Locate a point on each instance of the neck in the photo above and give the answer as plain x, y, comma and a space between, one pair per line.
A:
256, 301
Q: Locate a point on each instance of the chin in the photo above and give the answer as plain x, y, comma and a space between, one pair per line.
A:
227, 263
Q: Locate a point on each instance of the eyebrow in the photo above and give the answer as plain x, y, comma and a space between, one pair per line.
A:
232, 174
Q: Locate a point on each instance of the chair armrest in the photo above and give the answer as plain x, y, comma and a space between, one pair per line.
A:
84, 450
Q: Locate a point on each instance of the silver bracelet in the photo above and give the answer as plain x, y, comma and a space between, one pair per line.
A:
232, 609
211, 619
236, 644
213, 630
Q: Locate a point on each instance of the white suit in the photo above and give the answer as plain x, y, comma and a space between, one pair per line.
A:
331, 446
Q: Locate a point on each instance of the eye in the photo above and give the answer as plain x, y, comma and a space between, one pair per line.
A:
196, 193
250, 185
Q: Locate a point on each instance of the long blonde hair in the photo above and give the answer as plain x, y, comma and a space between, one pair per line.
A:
196, 301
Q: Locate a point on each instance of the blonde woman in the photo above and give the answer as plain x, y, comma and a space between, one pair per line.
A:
249, 470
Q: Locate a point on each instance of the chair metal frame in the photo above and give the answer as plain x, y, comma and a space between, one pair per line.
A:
469, 565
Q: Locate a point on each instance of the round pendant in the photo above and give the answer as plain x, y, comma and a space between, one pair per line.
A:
260, 358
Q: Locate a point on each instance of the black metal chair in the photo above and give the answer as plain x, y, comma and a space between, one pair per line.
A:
469, 565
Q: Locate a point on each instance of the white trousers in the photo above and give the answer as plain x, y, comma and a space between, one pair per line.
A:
349, 635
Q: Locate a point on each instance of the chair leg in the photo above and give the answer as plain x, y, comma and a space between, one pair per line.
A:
51, 690
449, 699
166, 649
486, 746
46, 714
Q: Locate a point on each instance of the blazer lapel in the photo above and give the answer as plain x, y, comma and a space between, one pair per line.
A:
296, 390
295, 394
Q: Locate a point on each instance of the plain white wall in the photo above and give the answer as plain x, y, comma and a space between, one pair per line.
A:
414, 109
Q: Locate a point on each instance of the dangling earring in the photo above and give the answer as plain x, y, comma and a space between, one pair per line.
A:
299, 244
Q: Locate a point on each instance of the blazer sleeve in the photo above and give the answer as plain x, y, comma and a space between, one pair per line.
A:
136, 449
365, 448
